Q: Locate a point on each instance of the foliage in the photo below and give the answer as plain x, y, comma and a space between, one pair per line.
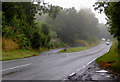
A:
85, 43
56, 43
19, 23
35, 41
71, 25
112, 11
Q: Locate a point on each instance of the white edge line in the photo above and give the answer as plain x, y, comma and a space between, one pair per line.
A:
96, 58
87, 63
91, 61
6, 61
16, 67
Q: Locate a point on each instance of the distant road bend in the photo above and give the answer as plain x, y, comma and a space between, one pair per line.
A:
51, 65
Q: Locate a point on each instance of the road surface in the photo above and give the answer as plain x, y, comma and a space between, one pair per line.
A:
51, 65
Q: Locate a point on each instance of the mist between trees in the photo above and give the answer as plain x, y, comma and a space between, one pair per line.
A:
27, 25
72, 26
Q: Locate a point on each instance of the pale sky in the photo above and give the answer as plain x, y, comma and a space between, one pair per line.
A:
78, 4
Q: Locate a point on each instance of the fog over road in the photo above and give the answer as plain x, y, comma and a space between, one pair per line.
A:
51, 65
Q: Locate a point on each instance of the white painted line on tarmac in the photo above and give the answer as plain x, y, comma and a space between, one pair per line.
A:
72, 74
16, 67
97, 57
78, 69
83, 67
93, 60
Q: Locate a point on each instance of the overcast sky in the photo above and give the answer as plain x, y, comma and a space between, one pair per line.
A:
78, 4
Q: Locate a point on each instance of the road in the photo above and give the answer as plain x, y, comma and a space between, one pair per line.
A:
51, 65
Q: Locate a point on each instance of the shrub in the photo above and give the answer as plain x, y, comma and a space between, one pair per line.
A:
85, 43
8, 31
0, 44
35, 41
23, 41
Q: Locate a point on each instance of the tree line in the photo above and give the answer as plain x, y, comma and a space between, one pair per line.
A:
18, 24
72, 25
36, 26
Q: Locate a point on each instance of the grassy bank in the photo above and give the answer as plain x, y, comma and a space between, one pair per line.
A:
17, 54
110, 60
77, 49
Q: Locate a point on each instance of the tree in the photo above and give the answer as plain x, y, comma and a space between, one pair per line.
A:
112, 11
71, 25
19, 21
35, 41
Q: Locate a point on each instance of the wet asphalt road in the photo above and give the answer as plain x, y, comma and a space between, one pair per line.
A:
51, 65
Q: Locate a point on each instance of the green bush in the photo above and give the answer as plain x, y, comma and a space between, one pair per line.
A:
23, 41
35, 41
7, 31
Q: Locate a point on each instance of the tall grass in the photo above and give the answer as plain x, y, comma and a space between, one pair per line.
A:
9, 45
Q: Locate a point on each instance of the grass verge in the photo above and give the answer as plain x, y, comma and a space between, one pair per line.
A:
77, 49
110, 60
17, 54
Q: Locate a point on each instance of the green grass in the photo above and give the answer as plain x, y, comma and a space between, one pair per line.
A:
77, 49
17, 54
110, 60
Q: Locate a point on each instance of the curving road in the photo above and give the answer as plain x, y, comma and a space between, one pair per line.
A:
51, 65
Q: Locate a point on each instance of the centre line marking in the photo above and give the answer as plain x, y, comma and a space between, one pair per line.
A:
16, 67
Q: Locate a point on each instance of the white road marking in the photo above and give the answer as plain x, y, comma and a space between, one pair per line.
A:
16, 67
97, 57
72, 74
78, 69
93, 60
83, 67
